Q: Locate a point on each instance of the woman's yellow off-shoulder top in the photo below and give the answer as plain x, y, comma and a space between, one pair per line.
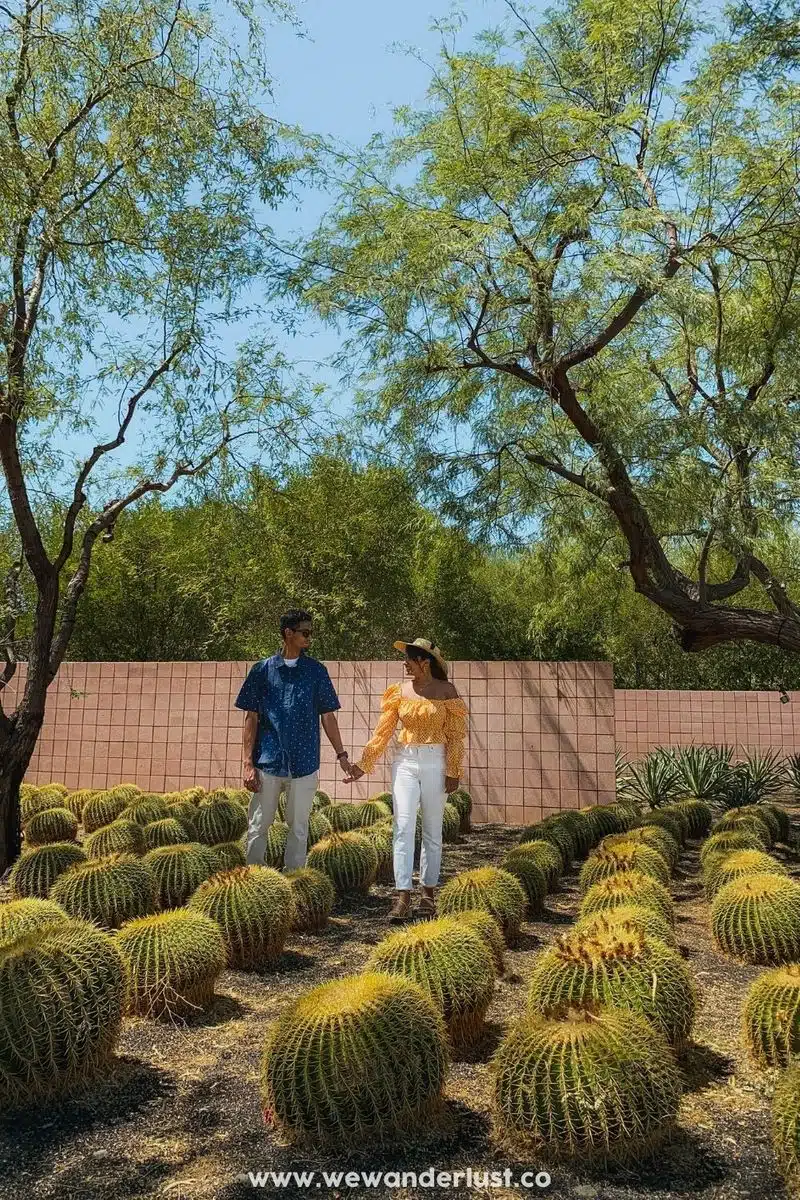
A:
423, 722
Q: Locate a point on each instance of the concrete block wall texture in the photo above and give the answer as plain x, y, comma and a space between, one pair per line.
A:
646, 719
541, 735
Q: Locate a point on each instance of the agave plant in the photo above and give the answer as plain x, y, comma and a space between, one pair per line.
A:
702, 771
622, 772
655, 780
766, 770
792, 765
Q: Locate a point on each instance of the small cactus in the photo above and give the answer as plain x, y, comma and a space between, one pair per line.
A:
33, 801
462, 802
783, 821
771, 1018
62, 989
492, 889
106, 891
319, 827
451, 963
385, 798
600, 1084
322, 800
373, 811
673, 823
746, 819
558, 836
36, 870
120, 837
350, 861
629, 887
620, 968
145, 810
722, 868
629, 856
728, 841
532, 878
786, 1127
20, 917
275, 849
254, 908
167, 831
627, 918
101, 809
487, 927
51, 825
173, 960
697, 813
220, 821
359, 1061
314, 898
184, 811
75, 802
178, 871
654, 836
757, 919
604, 820
382, 838
451, 823
228, 855
343, 816
547, 858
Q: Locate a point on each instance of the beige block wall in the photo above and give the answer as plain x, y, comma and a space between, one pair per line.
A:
541, 735
646, 719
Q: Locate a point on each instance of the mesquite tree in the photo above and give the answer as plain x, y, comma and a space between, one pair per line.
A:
136, 166
575, 274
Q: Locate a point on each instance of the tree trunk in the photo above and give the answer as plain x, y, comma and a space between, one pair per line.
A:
16, 751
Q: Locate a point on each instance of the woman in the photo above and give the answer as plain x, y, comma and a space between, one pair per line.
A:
427, 767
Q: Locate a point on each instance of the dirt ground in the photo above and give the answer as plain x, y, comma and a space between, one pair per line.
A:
179, 1117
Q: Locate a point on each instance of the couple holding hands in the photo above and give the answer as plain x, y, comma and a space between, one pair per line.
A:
287, 696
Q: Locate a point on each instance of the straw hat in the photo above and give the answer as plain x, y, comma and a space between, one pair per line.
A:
428, 647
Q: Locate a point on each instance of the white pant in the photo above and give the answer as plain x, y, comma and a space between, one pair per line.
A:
261, 814
418, 778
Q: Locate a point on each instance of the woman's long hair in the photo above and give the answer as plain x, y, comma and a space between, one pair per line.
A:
416, 652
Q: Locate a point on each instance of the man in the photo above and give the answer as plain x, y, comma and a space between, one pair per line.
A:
284, 698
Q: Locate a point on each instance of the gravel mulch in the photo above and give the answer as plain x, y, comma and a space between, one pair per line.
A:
179, 1117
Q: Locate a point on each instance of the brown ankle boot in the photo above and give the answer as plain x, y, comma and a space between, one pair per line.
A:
427, 903
401, 907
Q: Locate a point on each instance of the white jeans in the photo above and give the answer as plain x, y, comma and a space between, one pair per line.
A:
418, 778
261, 814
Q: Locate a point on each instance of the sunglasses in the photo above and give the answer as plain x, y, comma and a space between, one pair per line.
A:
304, 632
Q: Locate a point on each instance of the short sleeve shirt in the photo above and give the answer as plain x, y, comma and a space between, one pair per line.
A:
289, 702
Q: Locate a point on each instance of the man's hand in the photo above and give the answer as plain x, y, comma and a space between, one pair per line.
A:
250, 777
451, 785
355, 773
345, 764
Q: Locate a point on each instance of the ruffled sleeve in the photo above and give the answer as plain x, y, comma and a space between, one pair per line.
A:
387, 722
455, 731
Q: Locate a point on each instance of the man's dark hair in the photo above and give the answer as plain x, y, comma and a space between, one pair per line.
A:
293, 618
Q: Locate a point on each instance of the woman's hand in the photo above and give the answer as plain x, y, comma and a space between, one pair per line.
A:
355, 774
451, 784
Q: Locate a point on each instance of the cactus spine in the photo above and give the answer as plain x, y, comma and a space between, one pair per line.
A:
254, 908
173, 960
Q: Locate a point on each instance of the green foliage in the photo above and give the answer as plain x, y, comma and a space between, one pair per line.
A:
451, 963
36, 870
598, 1084
701, 773
254, 908
349, 859
617, 967
178, 871
106, 891
488, 928
120, 837
220, 821
21, 917
547, 858
628, 856
167, 831
51, 825
101, 809
62, 989
721, 869
533, 879
314, 898
786, 1127
771, 1016
173, 961
629, 887
756, 918
359, 1061
655, 780
494, 890
626, 920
